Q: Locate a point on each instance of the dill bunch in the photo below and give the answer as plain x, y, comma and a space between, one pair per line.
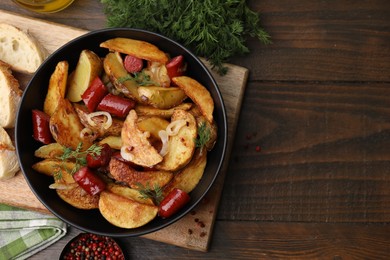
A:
214, 29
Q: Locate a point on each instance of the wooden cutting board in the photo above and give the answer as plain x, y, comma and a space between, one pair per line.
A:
194, 231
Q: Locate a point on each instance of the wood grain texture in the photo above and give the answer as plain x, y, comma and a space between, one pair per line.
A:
321, 41
17, 193
324, 156
265, 240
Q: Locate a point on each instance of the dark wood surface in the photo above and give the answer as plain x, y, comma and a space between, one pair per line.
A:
318, 105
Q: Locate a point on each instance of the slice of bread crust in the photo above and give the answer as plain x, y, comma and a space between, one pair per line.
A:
10, 96
20, 49
9, 165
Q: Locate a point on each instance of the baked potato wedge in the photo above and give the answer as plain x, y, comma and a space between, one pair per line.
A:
136, 146
78, 198
198, 94
122, 172
152, 125
130, 193
205, 125
47, 151
57, 87
65, 126
113, 66
124, 212
145, 110
115, 142
50, 166
189, 177
89, 66
140, 49
161, 97
182, 145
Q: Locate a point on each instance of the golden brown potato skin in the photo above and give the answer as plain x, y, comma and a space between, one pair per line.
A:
137, 144
181, 146
189, 177
78, 198
57, 87
65, 126
124, 212
124, 173
198, 93
136, 48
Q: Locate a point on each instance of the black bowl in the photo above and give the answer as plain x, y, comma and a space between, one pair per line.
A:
33, 98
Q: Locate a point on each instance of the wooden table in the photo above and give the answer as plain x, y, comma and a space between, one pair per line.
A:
317, 103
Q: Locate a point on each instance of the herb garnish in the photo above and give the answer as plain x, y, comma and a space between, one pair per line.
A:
141, 78
155, 193
78, 156
214, 29
203, 136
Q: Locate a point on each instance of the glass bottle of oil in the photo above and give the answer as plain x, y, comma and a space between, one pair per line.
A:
44, 6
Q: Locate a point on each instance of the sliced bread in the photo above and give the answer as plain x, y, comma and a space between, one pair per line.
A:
20, 49
10, 96
9, 165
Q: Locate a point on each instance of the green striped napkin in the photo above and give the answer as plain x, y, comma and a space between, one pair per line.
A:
24, 233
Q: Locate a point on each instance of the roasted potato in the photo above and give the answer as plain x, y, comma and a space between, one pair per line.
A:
182, 145
78, 198
125, 173
145, 110
115, 142
198, 93
89, 66
135, 143
57, 87
130, 193
136, 48
52, 151
124, 212
160, 97
152, 125
189, 177
113, 66
50, 166
211, 128
65, 126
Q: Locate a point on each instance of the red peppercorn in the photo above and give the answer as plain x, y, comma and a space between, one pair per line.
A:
87, 246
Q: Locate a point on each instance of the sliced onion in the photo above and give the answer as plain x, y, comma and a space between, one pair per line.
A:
106, 124
164, 139
62, 186
174, 127
126, 154
86, 132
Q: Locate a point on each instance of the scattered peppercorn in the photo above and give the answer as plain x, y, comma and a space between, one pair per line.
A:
91, 246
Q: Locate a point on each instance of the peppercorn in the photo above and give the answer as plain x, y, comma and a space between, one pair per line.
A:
91, 246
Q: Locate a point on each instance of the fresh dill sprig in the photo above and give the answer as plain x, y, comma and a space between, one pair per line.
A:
141, 78
147, 192
78, 156
213, 29
203, 136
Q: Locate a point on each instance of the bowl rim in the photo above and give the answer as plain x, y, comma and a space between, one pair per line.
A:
223, 128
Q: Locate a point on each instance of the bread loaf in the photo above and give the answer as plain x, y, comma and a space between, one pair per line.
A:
20, 49
10, 95
9, 165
